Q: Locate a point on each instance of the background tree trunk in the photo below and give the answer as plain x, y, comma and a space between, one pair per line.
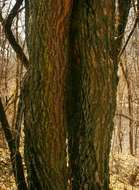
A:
45, 134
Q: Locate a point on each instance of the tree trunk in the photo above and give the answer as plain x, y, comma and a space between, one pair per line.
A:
92, 81
45, 124
92, 102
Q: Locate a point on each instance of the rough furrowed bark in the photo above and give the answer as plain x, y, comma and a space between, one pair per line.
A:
45, 134
93, 82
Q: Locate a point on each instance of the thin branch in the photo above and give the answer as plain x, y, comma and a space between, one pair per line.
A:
6, 128
16, 158
18, 123
9, 34
126, 116
129, 36
125, 45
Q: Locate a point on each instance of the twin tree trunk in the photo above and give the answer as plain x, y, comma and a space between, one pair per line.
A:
93, 83
45, 118
70, 93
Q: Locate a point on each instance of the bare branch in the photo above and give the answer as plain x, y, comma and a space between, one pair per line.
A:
9, 34
6, 128
127, 117
129, 36
16, 158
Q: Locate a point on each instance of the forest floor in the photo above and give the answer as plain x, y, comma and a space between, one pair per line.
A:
124, 172
6, 176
